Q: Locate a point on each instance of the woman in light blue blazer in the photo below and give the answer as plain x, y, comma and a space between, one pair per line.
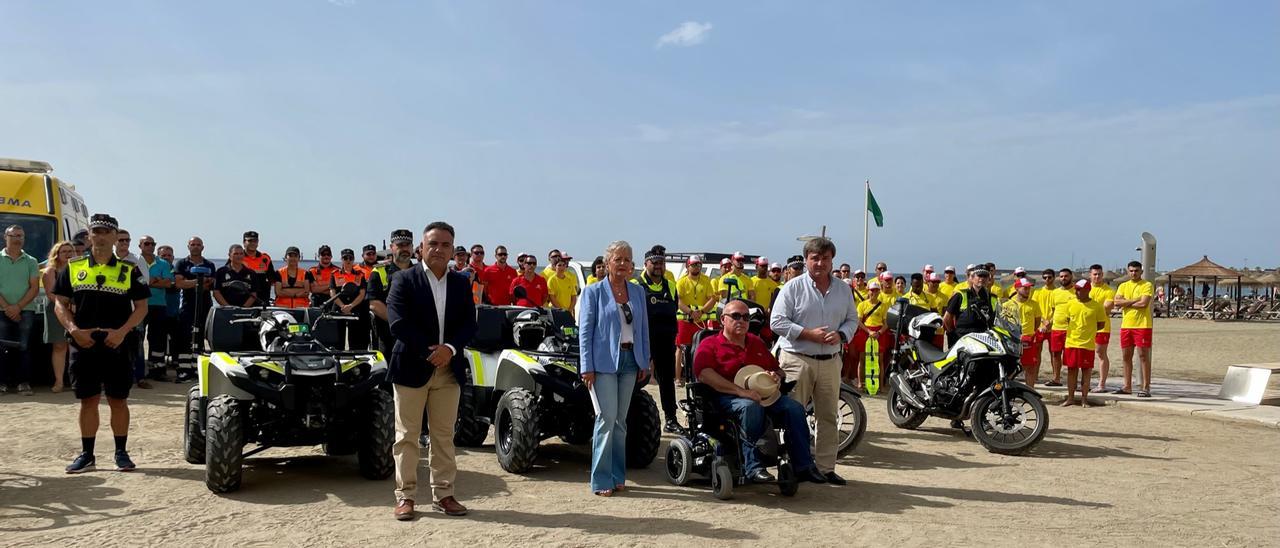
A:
613, 335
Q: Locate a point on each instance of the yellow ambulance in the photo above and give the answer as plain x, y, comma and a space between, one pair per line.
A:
47, 209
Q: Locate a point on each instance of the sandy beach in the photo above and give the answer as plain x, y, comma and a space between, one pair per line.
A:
1104, 475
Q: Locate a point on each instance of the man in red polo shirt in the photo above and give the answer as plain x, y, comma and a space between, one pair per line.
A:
530, 283
496, 278
716, 364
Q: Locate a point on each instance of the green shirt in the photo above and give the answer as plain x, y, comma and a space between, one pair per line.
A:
15, 277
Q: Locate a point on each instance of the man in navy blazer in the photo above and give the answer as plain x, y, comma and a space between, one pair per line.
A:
432, 317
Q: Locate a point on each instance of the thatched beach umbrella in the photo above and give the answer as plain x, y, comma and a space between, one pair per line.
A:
1205, 269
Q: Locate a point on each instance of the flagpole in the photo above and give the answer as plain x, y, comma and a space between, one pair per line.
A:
866, 223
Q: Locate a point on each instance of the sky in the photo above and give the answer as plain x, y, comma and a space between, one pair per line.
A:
1041, 134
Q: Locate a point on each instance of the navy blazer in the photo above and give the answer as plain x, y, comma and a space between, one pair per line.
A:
411, 311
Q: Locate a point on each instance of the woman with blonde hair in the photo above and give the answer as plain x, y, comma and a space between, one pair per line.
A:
613, 334
54, 334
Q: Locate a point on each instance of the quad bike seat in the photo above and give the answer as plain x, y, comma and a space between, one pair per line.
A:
224, 336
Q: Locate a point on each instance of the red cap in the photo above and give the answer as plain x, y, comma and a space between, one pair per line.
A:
693, 259
738, 256
886, 276
1024, 282
1084, 284
762, 261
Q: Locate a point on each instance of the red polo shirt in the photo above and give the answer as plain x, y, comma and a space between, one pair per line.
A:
497, 283
535, 290
726, 358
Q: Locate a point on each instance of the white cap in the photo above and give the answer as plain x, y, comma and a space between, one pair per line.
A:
970, 267
1019, 270
949, 268
777, 266
873, 284
928, 268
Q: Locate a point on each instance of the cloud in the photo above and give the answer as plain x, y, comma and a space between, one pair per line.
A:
689, 33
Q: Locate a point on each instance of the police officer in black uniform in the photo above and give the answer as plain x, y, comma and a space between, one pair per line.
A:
100, 299
660, 298
380, 285
968, 309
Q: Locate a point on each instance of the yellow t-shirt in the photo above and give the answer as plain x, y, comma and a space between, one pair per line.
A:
562, 290
888, 296
921, 299
1083, 319
591, 278
1134, 317
1028, 314
877, 318
694, 293
1101, 294
1043, 296
998, 291
1060, 299
547, 273
939, 301
946, 289
742, 290
764, 288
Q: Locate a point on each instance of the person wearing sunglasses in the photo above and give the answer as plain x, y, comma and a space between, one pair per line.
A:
496, 278
533, 290
717, 362
814, 316
261, 265
123, 253
553, 257
477, 259
322, 276
158, 323
613, 334
358, 330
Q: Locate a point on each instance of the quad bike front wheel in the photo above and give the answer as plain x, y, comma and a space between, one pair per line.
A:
192, 432
224, 444
516, 430
644, 430
377, 432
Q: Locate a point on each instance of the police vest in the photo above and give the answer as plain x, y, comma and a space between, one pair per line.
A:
969, 319
100, 277
660, 302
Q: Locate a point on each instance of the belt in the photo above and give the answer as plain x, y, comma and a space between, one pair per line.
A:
627, 346
819, 357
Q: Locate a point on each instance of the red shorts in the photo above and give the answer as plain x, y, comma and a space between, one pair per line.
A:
1102, 338
1078, 358
1031, 349
685, 331
1057, 341
1140, 338
859, 343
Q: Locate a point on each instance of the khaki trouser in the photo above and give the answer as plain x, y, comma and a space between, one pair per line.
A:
440, 399
819, 380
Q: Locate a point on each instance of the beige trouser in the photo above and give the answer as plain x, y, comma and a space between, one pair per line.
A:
819, 380
440, 398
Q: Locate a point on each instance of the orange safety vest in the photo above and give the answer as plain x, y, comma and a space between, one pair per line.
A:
257, 264
323, 274
293, 302
365, 269
341, 278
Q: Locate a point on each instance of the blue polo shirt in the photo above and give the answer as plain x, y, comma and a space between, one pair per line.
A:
161, 269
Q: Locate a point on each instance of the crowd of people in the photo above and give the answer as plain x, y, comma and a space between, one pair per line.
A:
107, 300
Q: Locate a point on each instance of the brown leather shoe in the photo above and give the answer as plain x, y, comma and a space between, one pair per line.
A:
450, 506
404, 510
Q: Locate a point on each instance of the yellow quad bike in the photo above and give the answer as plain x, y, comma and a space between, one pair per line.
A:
524, 382
284, 387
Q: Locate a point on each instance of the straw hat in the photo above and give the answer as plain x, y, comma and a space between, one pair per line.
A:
756, 379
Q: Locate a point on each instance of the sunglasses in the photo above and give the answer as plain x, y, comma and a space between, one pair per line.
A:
477, 252
147, 243
348, 257
123, 240
775, 270
326, 254
251, 240
531, 263
626, 311
738, 316
500, 254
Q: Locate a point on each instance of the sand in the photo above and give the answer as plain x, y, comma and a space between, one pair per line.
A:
1105, 475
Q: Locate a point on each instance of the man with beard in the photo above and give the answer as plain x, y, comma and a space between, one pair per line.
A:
380, 284
497, 277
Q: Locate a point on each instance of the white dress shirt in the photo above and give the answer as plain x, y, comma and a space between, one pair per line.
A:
439, 291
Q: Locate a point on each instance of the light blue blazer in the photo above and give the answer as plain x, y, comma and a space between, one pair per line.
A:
599, 330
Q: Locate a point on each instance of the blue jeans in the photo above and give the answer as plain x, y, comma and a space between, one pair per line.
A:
784, 413
611, 397
15, 360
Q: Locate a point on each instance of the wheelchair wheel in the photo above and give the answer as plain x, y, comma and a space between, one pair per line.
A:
721, 480
787, 482
679, 461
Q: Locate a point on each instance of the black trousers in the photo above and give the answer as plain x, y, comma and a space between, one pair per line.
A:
186, 345
382, 332
160, 327
662, 347
358, 330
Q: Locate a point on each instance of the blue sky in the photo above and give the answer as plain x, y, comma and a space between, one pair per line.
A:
1021, 133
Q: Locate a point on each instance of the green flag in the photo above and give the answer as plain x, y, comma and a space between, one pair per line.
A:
874, 208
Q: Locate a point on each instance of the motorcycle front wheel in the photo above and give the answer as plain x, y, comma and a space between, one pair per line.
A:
1012, 429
